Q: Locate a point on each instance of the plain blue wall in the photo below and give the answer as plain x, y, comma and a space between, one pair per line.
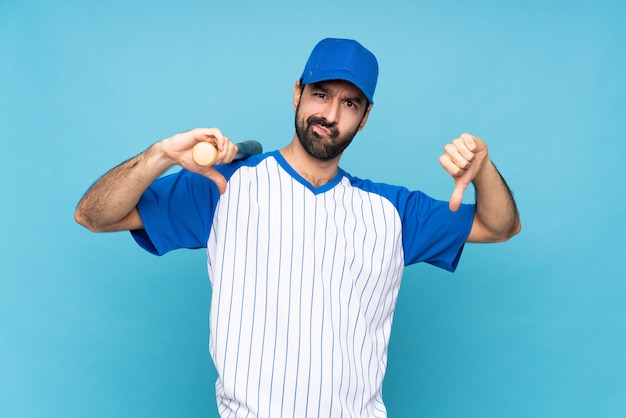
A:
91, 326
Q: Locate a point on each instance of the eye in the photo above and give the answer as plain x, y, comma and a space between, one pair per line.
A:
351, 105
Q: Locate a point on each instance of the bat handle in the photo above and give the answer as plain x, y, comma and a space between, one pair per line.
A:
204, 154
248, 149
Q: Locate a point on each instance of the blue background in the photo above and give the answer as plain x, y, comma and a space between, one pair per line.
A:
92, 326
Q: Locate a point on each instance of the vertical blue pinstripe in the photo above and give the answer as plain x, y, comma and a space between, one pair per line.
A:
352, 358
344, 348
300, 275
242, 299
218, 310
332, 316
367, 308
269, 226
323, 308
371, 257
279, 280
308, 391
290, 278
256, 245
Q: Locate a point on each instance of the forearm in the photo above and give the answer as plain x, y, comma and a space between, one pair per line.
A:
115, 195
496, 217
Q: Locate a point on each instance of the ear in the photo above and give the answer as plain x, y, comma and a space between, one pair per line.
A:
365, 116
297, 93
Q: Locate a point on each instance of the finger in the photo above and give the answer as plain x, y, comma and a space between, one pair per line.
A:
469, 141
453, 167
462, 151
220, 141
457, 196
211, 135
232, 151
228, 153
454, 158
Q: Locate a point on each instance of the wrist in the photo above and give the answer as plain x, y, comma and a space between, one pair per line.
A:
486, 171
158, 157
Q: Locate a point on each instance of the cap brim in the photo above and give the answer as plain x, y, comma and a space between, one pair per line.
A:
337, 75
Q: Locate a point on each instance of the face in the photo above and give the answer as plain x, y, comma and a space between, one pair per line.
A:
328, 116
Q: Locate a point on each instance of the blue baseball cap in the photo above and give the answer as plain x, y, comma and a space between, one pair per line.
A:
342, 59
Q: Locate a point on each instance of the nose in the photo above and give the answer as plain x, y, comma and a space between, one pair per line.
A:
331, 112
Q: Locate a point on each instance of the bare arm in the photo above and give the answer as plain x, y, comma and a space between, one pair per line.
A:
110, 204
496, 218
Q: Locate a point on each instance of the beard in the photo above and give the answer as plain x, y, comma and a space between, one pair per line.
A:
323, 148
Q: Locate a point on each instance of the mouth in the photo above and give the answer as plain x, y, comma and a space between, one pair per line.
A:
321, 129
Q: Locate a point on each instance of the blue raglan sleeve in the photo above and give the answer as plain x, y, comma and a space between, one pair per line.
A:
177, 212
431, 232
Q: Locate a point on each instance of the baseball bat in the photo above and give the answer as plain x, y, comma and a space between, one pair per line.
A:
205, 154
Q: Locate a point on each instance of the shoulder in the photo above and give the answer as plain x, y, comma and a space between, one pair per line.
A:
227, 170
393, 193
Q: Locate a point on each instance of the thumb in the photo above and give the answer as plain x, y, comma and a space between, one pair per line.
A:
457, 195
217, 178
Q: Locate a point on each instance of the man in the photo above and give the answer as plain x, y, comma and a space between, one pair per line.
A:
305, 260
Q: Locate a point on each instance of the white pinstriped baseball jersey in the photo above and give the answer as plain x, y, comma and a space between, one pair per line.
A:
304, 280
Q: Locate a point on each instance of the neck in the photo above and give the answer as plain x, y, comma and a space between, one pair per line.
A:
316, 172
